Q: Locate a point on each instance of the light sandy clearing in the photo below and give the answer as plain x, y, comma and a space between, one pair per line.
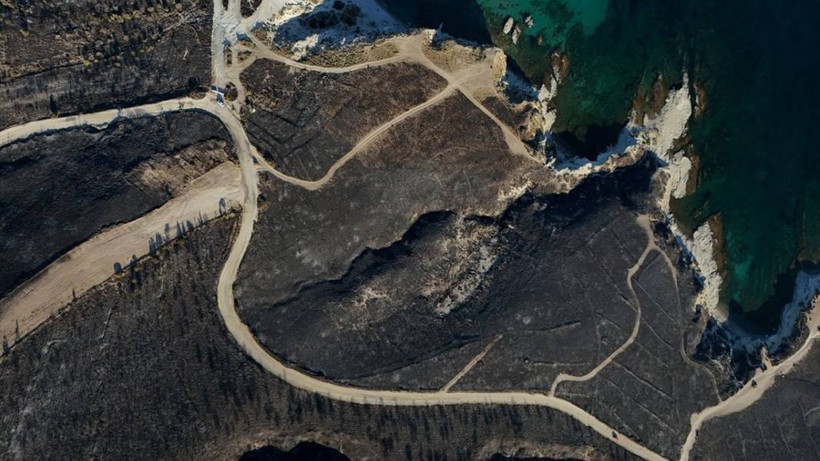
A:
35, 301
91, 263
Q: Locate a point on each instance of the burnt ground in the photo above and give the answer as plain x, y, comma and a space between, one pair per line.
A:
650, 390
545, 283
143, 368
247, 7
392, 277
334, 282
307, 237
304, 121
88, 55
303, 237
783, 424
59, 189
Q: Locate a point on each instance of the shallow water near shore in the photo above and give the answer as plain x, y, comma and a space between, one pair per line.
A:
757, 67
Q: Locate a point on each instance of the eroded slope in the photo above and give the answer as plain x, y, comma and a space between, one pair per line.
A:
146, 369
59, 189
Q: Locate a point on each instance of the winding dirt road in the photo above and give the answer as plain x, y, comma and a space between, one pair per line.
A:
754, 389
93, 262
363, 142
242, 334
247, 341
226, 22
410, 50
645, 224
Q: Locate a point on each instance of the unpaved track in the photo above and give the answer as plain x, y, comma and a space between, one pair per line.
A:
241, 333
410, 50
750, 394
650, 247
363, 142
92, 262
470, 365
247, 341
102, 119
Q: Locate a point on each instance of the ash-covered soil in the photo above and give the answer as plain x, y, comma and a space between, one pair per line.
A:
650, 390
305, 121
390, 278
545, 284
59, 58
785, 422
306, 237
143, 368
59, 189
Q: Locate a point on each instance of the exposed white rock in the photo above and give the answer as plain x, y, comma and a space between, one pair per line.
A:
670, 123
374, 21
703, 251
508, 25
545, 95
678, 168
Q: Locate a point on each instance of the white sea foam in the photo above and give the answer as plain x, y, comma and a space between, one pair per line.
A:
806, 288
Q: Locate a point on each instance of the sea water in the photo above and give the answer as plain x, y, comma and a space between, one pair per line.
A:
756, 65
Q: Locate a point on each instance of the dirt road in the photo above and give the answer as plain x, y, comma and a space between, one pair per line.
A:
89, 263
644, 222
93, 262
754, 389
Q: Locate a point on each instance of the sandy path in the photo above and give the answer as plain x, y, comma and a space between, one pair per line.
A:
92, 262
471, 364
644, 222
410, 50
363, 142
241, 333
750, 394
226, 23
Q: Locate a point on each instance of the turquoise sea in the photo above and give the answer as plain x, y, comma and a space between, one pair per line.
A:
758, 67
